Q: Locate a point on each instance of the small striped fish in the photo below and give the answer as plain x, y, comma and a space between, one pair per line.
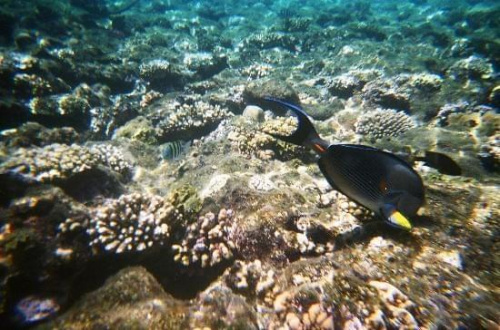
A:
174, 149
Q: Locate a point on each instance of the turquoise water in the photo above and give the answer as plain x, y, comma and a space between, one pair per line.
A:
141, 185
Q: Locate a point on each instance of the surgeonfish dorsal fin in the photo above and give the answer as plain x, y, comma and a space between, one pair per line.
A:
305, 131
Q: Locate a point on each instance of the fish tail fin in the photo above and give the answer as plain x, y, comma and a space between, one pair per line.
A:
305, 134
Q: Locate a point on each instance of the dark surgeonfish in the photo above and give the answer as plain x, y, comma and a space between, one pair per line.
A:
441, 162
437, 160
378, 180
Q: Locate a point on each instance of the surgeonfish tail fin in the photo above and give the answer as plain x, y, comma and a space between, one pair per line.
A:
305, 134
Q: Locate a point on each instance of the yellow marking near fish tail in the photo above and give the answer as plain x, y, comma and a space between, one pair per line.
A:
400, 220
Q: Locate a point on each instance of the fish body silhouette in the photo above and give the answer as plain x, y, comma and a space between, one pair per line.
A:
376, 179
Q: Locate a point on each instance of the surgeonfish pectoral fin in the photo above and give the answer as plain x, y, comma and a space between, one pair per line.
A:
395, 218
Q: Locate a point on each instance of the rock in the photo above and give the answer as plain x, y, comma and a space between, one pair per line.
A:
130, 299
255, 91
453, 258
219, 308
254, 113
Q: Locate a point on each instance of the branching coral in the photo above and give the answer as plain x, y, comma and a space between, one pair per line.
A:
187, 118
131, 223
250, 278
113, 158
249, 141
53, 162
58, 162
206, 242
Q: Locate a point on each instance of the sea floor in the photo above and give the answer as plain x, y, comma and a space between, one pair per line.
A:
141, 189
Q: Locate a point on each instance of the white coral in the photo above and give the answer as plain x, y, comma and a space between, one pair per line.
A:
382, 123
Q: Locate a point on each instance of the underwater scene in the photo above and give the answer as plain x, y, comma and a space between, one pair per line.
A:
272, 164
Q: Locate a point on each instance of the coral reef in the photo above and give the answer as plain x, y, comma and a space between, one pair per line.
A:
34, 134
256, 71
256, 90
270, 40
344, 85
186, 120
387, 93
472, 67
59, 162
382, 123
137, 129
219, 307
397, 305
33, 309
161, 75
54, 162
112, 157
131, 223
207, 242
426, 82
242, 230
251, 142
250, 278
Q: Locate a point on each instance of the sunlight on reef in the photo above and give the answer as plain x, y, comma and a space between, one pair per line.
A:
144, 182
